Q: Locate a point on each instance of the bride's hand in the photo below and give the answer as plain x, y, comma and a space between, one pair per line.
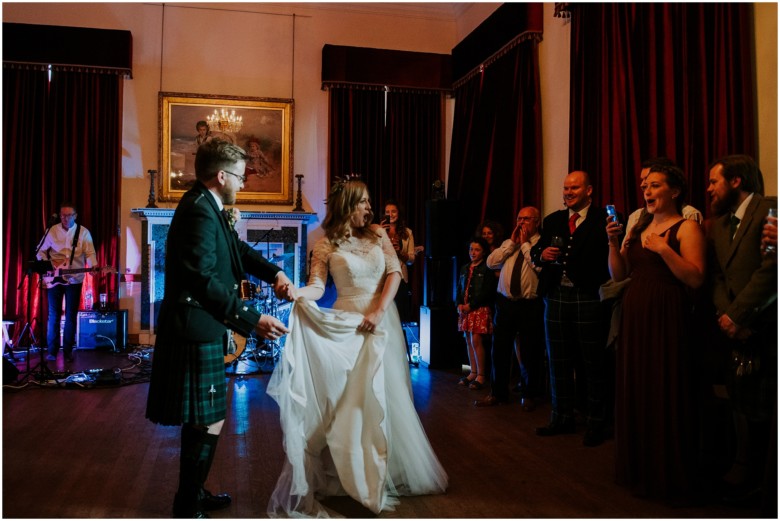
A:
370, 321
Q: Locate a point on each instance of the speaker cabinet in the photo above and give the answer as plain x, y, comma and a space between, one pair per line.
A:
441, 239
440, 347
102, 329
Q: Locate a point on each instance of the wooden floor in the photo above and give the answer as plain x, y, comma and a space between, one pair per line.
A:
76, 453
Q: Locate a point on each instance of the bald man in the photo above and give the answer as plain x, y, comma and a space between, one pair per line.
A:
519, 318
575, 319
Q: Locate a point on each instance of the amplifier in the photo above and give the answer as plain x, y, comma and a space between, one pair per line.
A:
103, 329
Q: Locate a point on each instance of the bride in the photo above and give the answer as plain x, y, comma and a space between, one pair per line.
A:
343, 385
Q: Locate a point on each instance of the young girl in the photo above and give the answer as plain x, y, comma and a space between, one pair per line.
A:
476, 293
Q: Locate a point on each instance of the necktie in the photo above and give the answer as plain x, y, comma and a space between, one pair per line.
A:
733, 223
515, 286
573, 222
225, 215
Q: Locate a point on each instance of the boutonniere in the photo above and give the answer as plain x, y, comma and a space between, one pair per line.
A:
233, 216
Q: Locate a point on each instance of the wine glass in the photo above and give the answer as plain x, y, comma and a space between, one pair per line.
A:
557, 242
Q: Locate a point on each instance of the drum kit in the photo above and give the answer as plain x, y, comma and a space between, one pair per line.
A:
257, 355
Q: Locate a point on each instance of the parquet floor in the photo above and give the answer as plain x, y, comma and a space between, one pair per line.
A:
73, 453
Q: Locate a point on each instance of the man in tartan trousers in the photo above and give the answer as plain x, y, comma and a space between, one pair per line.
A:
576, 321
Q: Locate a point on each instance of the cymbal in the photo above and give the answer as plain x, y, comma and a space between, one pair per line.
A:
283, 256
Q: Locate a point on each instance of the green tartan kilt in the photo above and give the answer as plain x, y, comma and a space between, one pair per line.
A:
204, 396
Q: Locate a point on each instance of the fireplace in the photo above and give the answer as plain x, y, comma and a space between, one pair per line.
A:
278, 236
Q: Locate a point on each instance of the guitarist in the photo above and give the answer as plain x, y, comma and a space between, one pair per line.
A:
66, 245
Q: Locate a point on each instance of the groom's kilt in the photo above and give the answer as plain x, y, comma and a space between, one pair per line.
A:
187, 383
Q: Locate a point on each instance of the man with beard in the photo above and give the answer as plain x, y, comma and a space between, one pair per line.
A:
204, 265
575, 319
744, 291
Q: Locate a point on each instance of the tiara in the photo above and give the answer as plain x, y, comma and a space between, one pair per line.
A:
340, 181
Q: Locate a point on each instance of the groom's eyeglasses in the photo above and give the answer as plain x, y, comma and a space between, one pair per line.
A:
241, 178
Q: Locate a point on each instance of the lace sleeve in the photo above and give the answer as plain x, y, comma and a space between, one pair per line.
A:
318, 272
392, 265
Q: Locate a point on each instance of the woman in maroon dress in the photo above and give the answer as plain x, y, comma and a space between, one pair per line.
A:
655, 438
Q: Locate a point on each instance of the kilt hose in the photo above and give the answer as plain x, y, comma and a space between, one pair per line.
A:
575, 327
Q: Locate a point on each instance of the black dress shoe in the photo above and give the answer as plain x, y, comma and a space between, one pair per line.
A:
593, 437
556, 428
211, 502
187, 509
488, 401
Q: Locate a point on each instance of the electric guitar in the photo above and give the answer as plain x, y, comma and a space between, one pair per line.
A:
235, 348
58, 276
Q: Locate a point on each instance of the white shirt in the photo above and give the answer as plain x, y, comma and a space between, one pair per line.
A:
741, 209
505, 256
57, 245
583, 213
220, 204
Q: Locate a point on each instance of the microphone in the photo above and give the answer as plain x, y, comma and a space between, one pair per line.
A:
53, 219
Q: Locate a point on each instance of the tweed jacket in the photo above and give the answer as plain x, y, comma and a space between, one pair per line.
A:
743, 282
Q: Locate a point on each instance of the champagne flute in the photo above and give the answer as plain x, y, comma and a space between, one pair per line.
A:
557, 242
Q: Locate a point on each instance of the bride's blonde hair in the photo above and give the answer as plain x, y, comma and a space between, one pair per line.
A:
344, 196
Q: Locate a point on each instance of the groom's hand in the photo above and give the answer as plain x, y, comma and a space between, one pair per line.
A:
270, 328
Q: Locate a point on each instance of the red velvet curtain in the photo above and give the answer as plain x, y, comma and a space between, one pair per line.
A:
24, 211
496, 157
62, 140
394, 140
652, 80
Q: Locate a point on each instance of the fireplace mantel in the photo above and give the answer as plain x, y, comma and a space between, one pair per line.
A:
279, 236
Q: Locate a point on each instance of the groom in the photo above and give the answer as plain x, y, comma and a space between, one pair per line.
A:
204, 265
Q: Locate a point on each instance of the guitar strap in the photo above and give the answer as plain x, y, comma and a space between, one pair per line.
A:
73, 246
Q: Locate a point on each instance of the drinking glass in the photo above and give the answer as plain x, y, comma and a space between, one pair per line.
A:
558, 242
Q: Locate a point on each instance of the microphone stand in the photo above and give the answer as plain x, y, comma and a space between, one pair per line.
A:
44, 373
262, 237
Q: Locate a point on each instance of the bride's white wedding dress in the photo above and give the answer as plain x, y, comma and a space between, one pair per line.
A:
345, 397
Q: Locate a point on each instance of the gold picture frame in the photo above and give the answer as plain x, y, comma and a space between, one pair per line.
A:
265, 133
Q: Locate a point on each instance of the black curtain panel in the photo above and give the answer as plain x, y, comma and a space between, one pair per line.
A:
496, 156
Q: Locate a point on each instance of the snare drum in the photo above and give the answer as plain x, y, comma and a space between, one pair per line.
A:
248, 290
